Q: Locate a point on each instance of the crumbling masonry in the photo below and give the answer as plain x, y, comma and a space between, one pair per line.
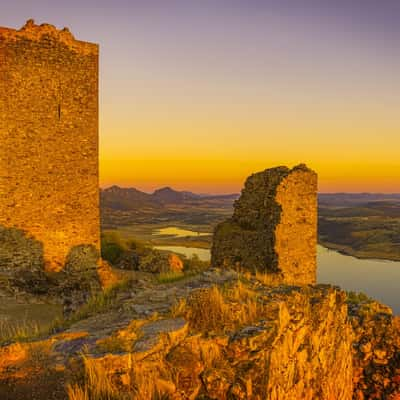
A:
274, 227
48, 142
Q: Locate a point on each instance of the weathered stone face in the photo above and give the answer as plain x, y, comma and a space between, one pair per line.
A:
376, 351
49, 140
299, 346
274, 227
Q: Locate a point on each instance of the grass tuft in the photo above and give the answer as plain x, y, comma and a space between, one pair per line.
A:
170, 276
75, 392
27, 330
97, 384
99, 303
18, 331
215, 310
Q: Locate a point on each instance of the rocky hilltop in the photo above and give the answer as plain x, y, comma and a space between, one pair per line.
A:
219, 335
211, 337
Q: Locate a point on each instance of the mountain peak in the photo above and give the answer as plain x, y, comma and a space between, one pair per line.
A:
165, 189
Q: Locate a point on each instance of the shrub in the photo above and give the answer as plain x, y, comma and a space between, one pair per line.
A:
138, 247
357, 298
112, 247
194, 264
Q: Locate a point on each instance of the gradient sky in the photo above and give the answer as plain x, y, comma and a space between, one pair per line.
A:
199, 94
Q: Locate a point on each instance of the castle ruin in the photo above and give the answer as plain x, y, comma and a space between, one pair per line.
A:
49, 186
274, 227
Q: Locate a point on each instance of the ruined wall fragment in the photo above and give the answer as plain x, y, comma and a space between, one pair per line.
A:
273, 229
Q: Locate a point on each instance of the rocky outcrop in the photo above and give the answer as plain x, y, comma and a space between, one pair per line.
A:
23, 277
273, 229
267, 342
297, 344
291, 355
160, 262
376, 351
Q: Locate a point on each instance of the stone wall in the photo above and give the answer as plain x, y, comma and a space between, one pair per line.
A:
274, 226
49, 140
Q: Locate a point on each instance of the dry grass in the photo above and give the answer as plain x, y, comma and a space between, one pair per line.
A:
99, 303
125, 339
170, 276
239, 292
143, 382
102, 301
22, 331
210, 354
28, 330
216, 310
75, 392
97, 384
179, 308
246, 303
113, 344
268, 279
207, 311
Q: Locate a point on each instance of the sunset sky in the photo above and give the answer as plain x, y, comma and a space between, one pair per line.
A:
199, 94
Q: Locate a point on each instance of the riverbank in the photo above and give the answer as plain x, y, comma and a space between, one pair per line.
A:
361, 254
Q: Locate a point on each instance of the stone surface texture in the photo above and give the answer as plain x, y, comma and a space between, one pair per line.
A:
49, 189
376, 351
301, 350
311, 343
273, 229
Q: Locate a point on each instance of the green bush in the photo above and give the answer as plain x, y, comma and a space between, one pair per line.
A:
112, 247
138, 247
194, 264
357, 298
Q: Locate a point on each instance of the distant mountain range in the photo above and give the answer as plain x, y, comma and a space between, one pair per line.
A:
127, 199
355, 199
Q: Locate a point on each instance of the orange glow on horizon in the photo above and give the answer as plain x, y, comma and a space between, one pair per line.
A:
228, 176
206, 122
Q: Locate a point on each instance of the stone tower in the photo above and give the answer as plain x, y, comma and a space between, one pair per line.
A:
274, 227
49, 189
